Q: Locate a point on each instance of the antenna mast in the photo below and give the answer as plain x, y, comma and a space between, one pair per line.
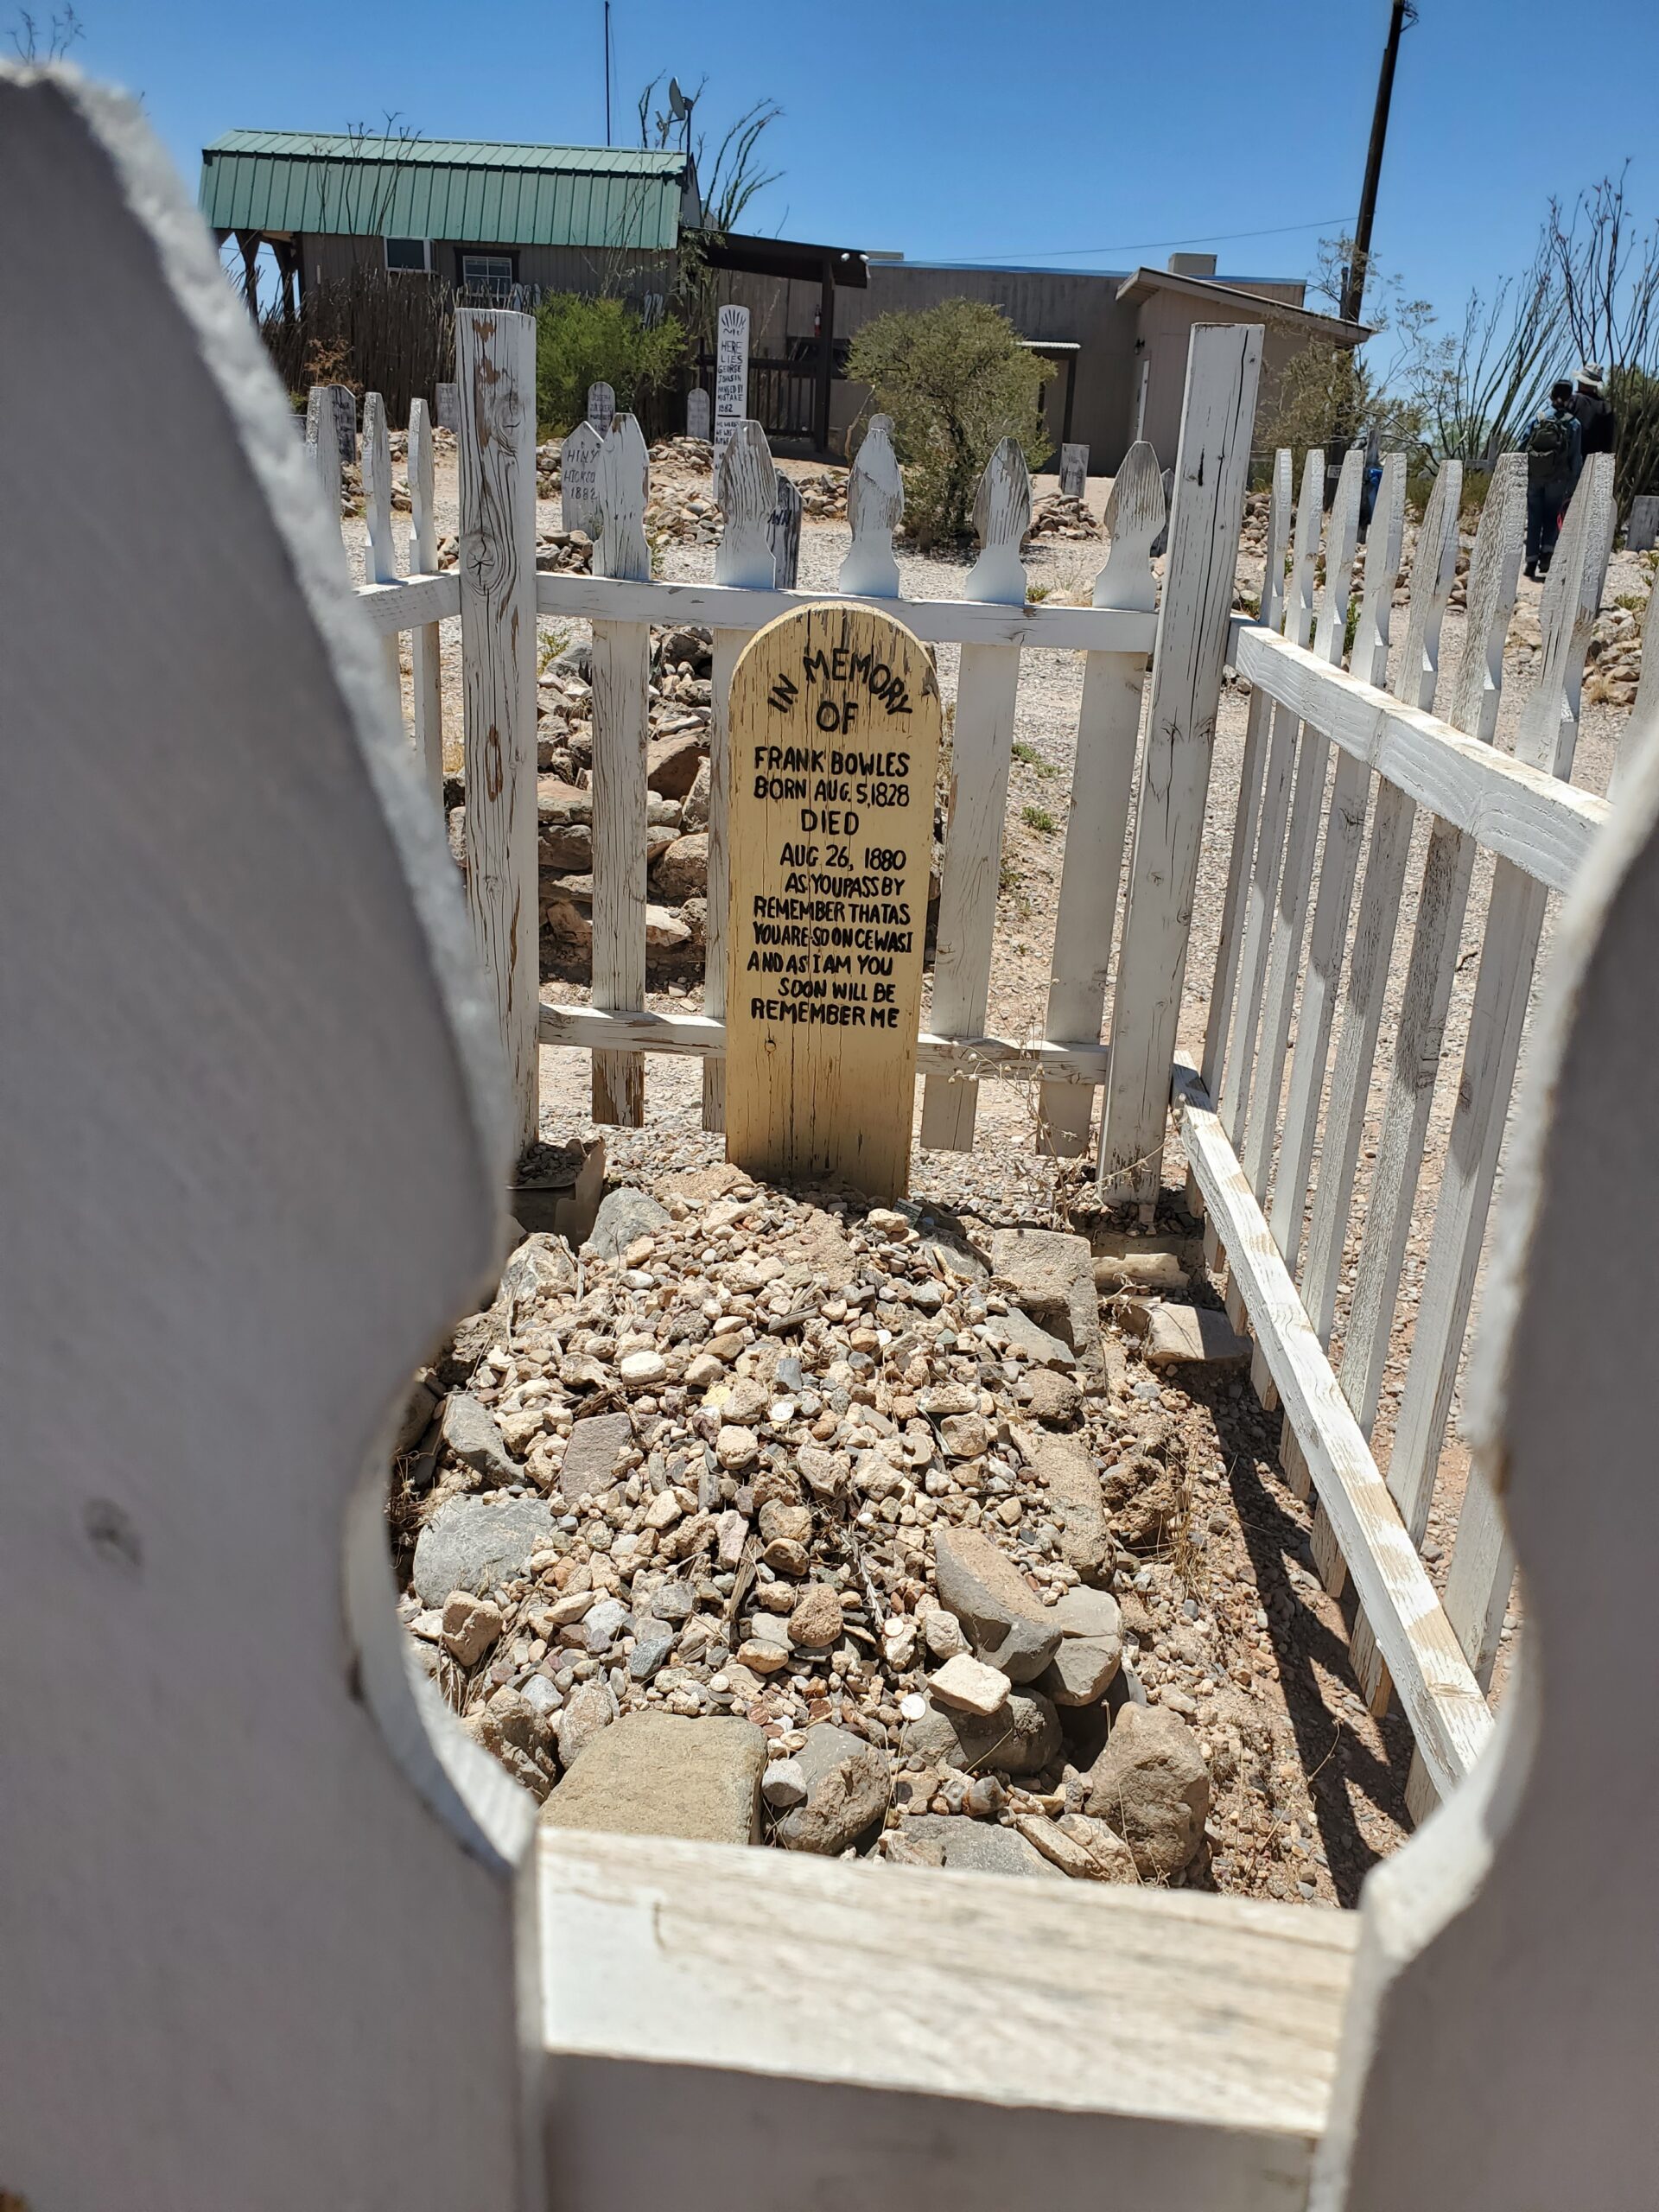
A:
607, 72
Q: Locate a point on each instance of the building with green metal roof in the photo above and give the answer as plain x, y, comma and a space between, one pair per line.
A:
478, 213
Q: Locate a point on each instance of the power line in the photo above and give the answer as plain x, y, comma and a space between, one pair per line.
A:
1150, 246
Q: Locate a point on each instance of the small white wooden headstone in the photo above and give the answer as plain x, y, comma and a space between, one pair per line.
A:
601, 407
746, 484
579, 478
624, 476
786, 534
1643, 529
731, 374
446, 406
696, 414
875, 507
1074, 472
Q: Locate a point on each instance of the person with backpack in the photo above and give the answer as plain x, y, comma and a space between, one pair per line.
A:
1554, 445
1598, 424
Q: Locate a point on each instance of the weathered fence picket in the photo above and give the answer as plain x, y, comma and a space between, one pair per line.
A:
1246, 815
621, 686
1223, 362
1257, 905
380, 558
1102, 775
495, 367
981, 744
746, 484
426, 667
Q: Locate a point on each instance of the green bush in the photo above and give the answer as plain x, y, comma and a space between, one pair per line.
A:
585, 342
955, 381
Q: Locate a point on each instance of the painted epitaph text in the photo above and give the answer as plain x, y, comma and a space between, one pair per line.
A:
447, 406
601, 407
834, 738
696, 414
1074, 472
731, 375
579, 478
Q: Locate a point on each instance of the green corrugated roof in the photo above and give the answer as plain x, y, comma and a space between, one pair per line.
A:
474, 191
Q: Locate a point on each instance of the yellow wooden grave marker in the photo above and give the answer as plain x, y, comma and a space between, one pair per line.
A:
834, 742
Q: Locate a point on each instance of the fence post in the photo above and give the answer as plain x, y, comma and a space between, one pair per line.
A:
495, 367
1223, 364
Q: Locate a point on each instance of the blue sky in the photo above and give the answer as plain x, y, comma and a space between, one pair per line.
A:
981, 130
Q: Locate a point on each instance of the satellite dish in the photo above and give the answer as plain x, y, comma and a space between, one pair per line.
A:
678, 106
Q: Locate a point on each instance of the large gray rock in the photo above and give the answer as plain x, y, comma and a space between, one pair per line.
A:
1038, 1266
846, 1792
1005, 1622
1064, 1466
541, 1264
1089, 1613
975, 1847
474, 1543
1024, 1737
1151, 1785
1018, 1332
590, 1457
1082, 1670
474, 1434
655, 1774
624, 1214
1091, 1647
1051, 1275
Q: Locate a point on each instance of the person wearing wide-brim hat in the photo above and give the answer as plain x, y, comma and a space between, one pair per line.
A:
1598, 424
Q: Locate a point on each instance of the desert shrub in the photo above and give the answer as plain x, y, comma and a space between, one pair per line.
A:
587, 341
955, 381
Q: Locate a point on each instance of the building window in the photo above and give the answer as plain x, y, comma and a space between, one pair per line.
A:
487, 275
409, 256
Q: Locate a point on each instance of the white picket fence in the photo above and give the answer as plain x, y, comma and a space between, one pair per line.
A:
1328, 752
299, 1936
1274, 1129
497, 591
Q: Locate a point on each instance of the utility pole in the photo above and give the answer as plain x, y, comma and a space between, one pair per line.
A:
1353, 283
607, 72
